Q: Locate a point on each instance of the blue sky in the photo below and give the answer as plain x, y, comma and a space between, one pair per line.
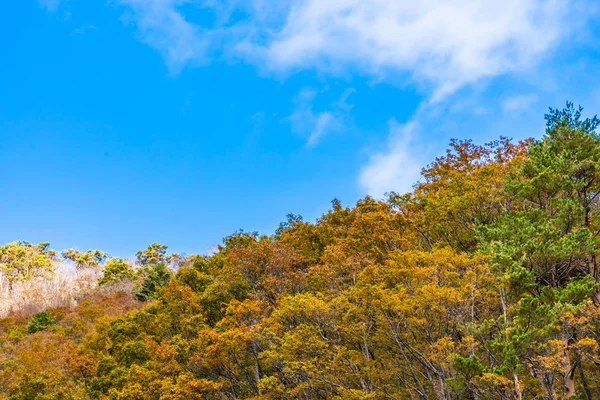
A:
126, 122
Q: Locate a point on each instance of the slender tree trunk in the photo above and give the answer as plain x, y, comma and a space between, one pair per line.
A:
568, 369
518, 389
594, 274
586, 388
440, 389
256, 368
591, 258
548, 383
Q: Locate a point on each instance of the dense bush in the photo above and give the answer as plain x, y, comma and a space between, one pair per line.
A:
40, 321
154, 276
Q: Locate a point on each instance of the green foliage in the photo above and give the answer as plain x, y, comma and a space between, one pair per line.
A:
154, 277
21, 261
116, 270
237, 240
192, 277
87, 259
290, 223
40, 322
31, 387
156, 254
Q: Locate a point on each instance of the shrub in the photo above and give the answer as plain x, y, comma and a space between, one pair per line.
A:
116, 270
40, 321
155, 277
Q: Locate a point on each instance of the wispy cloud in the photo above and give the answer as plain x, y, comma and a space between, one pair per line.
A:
163, 27
316, 125
439, 45
397, 167
442, 48
83, 29
50, 5
519, 102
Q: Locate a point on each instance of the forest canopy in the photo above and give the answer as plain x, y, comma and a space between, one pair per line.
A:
481, 283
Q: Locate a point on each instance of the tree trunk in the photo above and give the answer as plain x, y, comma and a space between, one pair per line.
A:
586, 388
518, 389
591, 258
440, 389
256, 368
594, 275
568, 369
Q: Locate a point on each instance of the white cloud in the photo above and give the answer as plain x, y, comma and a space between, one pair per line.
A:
324, 122
162, 26
50, 5
441, 45
316, 125
438, 46
519, 102
396, 168
83, 29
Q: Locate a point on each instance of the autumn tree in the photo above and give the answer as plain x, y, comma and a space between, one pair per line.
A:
481, 283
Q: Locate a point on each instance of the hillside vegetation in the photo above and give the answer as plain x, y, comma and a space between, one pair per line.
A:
482, 283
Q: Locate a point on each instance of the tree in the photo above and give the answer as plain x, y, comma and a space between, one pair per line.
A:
155, 276
116, 270
88, 259
156, 254
544, 246
460, 190
20, 261
482, 283
40, 321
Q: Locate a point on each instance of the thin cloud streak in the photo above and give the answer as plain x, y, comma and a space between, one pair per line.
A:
316, 125
519, 102
163, 27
